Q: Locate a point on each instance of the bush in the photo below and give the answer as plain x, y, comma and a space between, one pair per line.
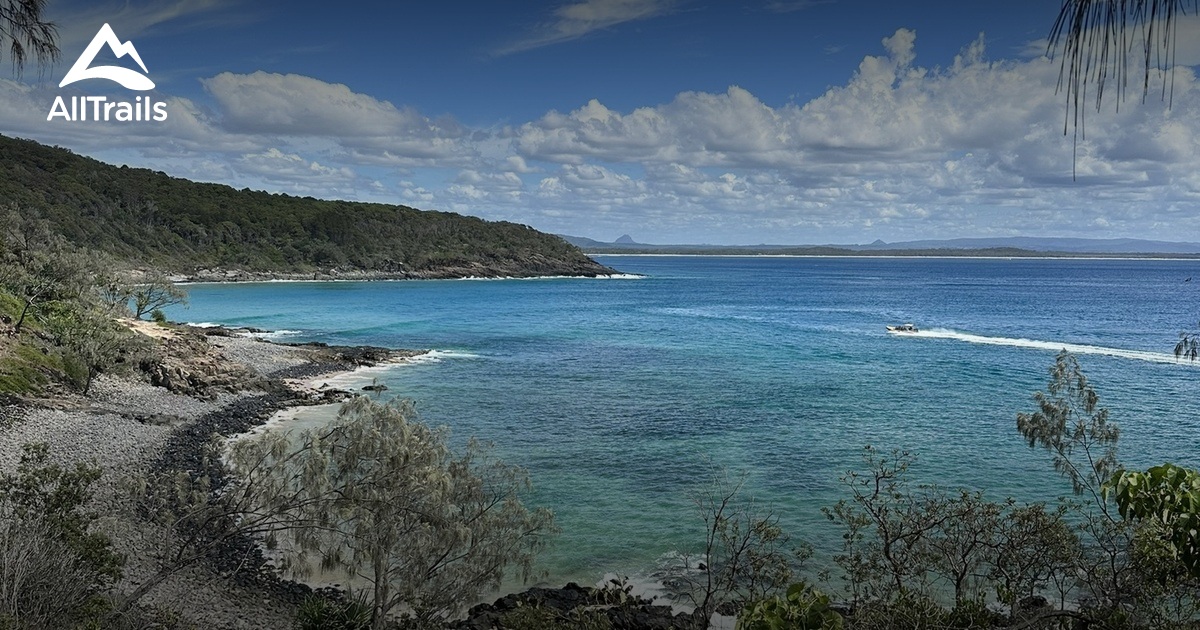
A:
802, 608
158, 317
43, 582
323, 613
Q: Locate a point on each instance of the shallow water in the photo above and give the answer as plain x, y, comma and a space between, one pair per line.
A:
618, 395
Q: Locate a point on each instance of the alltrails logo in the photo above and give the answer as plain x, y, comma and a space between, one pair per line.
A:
99, 107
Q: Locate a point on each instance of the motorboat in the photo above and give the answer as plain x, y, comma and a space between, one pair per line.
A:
903, 328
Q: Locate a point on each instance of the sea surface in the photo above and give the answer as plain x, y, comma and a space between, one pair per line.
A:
620, 396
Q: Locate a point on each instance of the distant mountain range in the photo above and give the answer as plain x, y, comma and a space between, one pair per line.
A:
1002, 246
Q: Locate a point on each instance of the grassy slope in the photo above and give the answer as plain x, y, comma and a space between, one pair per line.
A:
26, 363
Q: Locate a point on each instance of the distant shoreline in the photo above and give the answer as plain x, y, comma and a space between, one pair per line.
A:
944, 256
182, 279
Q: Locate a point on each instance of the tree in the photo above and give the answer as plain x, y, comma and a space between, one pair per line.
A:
93, 343
746, 556
22, 27
154, 292
1096, 40
1034, 547
1071, 425
36, 265
1168, 496
381, 496
50, 563
886, 527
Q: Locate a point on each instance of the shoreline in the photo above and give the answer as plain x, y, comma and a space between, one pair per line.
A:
473, 272
131, 428
1154, 257
134, 426
185, 280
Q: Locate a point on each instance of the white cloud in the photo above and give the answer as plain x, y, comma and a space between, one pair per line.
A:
572, 21
371, 130
897, 151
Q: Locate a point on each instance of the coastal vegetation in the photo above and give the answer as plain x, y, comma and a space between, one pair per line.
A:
379, 496
147, 219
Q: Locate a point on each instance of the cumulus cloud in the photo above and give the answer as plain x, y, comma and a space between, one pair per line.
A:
291, 169
573, 21
894, 146
899, 150
370, 129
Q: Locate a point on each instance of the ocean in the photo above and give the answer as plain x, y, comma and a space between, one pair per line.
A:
620, 396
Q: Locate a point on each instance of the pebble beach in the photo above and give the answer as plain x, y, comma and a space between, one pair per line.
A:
130, 428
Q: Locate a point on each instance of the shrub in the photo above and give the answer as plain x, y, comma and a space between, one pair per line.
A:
323, 613
802, 608
43, 582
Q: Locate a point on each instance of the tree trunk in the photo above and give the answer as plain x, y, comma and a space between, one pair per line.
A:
21, 320
378, 611
91, 376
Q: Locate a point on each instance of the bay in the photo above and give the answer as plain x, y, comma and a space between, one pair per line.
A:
620, 395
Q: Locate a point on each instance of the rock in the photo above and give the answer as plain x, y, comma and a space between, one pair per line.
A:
375, 388
624, 611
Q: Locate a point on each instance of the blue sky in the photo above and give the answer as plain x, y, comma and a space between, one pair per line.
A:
778, 121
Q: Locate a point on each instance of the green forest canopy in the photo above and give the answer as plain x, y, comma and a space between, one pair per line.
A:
146, 217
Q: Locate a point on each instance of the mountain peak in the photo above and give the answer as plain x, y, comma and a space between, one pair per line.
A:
625, 239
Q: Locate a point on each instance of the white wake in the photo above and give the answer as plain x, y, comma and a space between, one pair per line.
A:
1053, 346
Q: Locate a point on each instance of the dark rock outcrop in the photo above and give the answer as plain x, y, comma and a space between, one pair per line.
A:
623, 610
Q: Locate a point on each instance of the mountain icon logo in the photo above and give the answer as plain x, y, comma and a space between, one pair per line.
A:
128, 78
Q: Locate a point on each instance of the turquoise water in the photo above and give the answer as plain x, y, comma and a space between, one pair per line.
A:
618, 394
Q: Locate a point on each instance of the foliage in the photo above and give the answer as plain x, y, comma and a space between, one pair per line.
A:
1034, 548
93, 344
1188, 346
381, 496
27, 33
154, 292
158, 317
801, 608
1100, 38
205, 512
747, 555
1071, 425
147, 218
1169, 497
27, 367
57, 496
51, 565
886, 525
906, 546
38, 266
323, 613
545, 618
43, 584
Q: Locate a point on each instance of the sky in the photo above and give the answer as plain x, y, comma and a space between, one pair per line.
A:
673, 121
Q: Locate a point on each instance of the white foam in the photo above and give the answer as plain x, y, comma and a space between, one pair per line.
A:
611, 276
201, 324
358, 377
271, 334
1053, 346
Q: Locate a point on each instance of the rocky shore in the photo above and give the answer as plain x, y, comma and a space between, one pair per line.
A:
532, 267
219, 381
200, 383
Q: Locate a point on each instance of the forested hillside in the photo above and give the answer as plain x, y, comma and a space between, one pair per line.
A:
147, 218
